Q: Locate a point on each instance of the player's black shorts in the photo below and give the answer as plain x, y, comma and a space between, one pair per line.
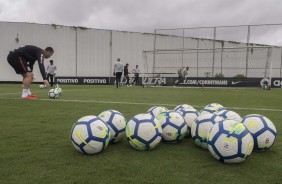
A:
20, 65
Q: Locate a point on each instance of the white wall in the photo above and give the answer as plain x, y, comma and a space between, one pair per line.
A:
93, 52
62, 39
129, 46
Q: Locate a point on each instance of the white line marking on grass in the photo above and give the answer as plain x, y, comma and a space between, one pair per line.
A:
9, 93
207, 87
140, 103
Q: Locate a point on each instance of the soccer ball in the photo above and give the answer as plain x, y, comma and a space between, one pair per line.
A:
226, 114
116, 123
59, 91
53, 93
90, 135
212, 108
173, 125
42, 86
201, 127
216, 106
190, 116
262, 130
230, 141
182, 107
266, 87
143, 132
155, 111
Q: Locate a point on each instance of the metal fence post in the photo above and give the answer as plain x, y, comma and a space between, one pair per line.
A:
247, 56
213, 54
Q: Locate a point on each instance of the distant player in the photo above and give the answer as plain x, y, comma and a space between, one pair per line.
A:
126, 73
136, 73
51, 72
118, 69
181, 75
23, 59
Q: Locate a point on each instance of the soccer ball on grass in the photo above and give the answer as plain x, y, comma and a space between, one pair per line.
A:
262, 130
201, 127
173, 125
116, 122
229, 141
143, 132
90, 135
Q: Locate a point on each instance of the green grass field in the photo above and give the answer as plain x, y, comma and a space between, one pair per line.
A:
35, 144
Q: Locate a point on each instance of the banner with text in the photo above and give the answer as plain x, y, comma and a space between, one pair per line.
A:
161, 81
82, 80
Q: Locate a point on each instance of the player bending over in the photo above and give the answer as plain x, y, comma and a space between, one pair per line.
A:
181, 75
23, 59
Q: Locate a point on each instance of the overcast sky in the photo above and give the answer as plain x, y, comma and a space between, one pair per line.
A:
145, 15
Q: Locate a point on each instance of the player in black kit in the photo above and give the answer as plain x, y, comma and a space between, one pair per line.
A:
126, 72
23, 59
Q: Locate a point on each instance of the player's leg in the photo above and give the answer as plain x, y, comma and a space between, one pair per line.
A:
177, 81
127, 80
181, 80
21, 67
119, 77
137, 80
117, 80
27, 79
52, 80
48, 77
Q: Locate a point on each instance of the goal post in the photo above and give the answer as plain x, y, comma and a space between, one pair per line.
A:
236, 62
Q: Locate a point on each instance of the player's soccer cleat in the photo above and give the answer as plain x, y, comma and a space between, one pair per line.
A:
29, 97
33, 95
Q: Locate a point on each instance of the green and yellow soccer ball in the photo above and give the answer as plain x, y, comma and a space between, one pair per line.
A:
156, 110
229, 141
90, 135
53, 94
173, 125
116, 123
262, 130
59, 90
143, 132
201, 127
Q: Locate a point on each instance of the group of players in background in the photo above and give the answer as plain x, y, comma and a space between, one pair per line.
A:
119, 68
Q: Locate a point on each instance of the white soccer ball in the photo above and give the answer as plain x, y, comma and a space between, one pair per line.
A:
201, 127
143, 132
116, 122
53, 93
41, 86
173, 125
262, 130
230, 141
226, 114
190, 116
59, 91
217, 106
212, 108
156, 110
90, 135
183, 107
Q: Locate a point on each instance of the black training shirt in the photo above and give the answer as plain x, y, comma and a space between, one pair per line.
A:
31, 54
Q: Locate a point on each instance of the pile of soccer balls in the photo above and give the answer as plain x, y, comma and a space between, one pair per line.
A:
227, 136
